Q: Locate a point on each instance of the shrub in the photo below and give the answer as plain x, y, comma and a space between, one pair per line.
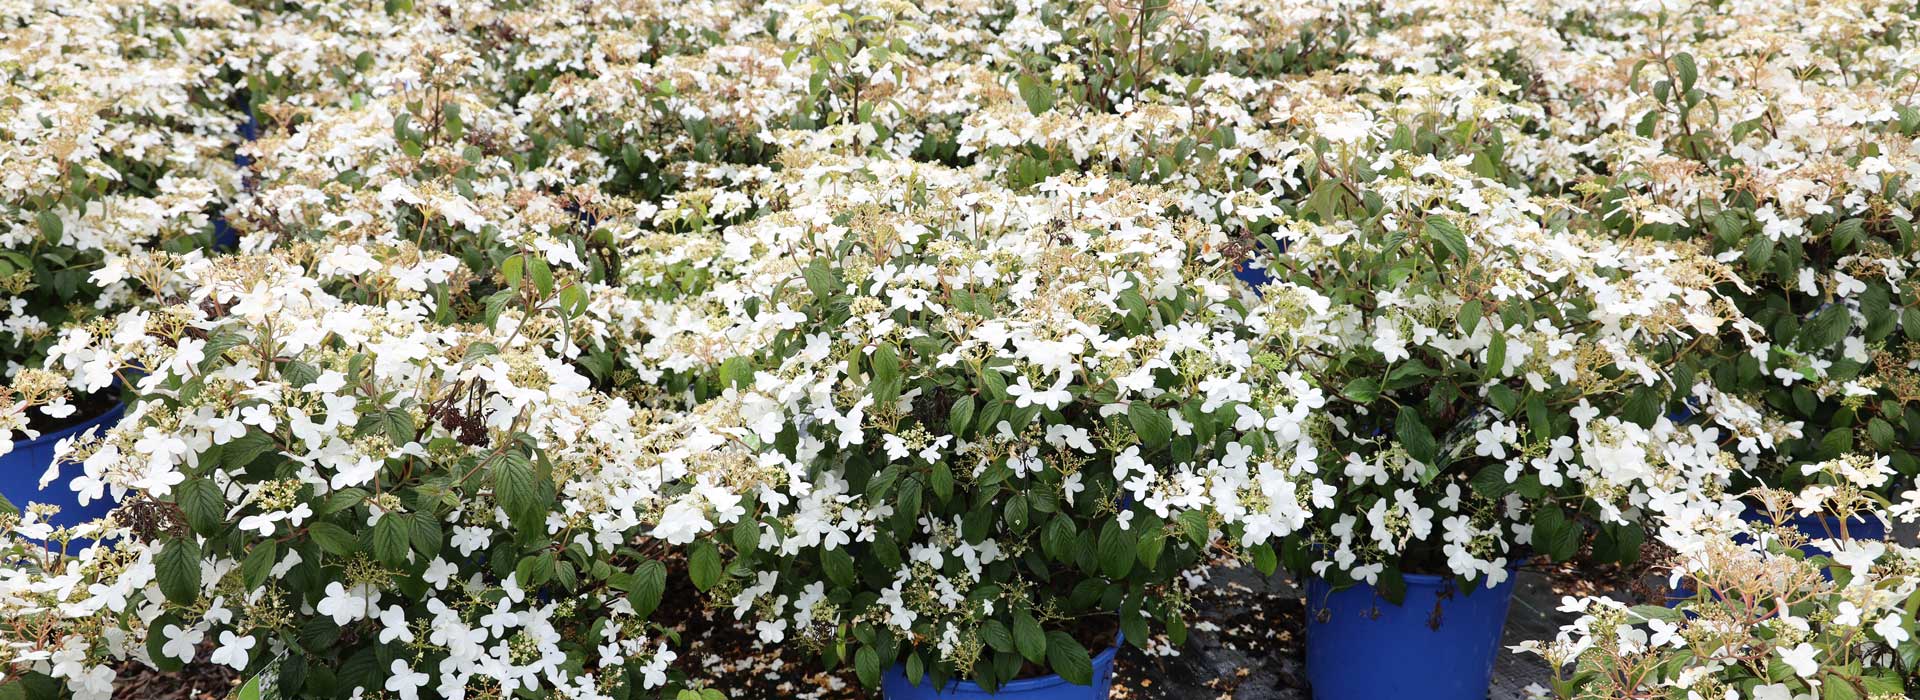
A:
96, 173
1765, 620
378, 501
964, 429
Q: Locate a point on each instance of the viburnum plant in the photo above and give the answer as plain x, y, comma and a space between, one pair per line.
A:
966, 430
98, 171
381, 502
1498, 372
1806, 186
1766, 620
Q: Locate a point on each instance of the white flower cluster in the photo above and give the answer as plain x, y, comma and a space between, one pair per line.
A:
1769, 613
920, 333
116, 139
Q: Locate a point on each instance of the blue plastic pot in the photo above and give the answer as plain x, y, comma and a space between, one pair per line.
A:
21, 469
1254, 277
1813, 526
224, 237
894, 685
1822, 527
1439, 644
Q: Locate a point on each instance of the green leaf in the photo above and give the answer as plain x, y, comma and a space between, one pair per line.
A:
241, 451
1037, 93
51, 228
1028, 637
648, 584
1362, 390
259, 564
202, 503
1554, 535
1881, 432
1117, 550
1619, 543
822, 280
1470, 316
737, 371
1058, 539
1658, 612
399, 426
1152, 542
961, 416
1685, 68
332, 538
1016, 513
1442, 231
1151, 424
424, 532
1069, 659
703, 565
1195, 524
1415, 437
1265, 559
515, 488
390, 539
178, 570
1496, 353
886, 375
995, 633
839, 566
866, 663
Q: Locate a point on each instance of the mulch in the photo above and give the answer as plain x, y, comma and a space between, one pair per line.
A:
198, 681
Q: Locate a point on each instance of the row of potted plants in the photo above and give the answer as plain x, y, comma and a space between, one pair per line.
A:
951, 345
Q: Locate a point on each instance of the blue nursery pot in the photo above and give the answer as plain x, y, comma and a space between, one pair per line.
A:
224, 237
1813, 526
1440, 644
1823, 527
1255, 277
894, 685
20, 472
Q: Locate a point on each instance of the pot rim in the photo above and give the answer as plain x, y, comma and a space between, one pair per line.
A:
116, 410
1050, 680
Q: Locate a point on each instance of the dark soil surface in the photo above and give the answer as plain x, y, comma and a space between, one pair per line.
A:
200, 681
1246, 640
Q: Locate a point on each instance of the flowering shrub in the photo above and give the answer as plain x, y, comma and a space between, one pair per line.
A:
1491, 362
965, 429
1765, 621
909, 331
382, 503
1797, 168
97, 171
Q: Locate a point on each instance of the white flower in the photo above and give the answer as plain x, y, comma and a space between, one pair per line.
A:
1801, 659
345, 605
1893, 629
182, 643
233, 650
404, 681
393, 625
1053, 398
